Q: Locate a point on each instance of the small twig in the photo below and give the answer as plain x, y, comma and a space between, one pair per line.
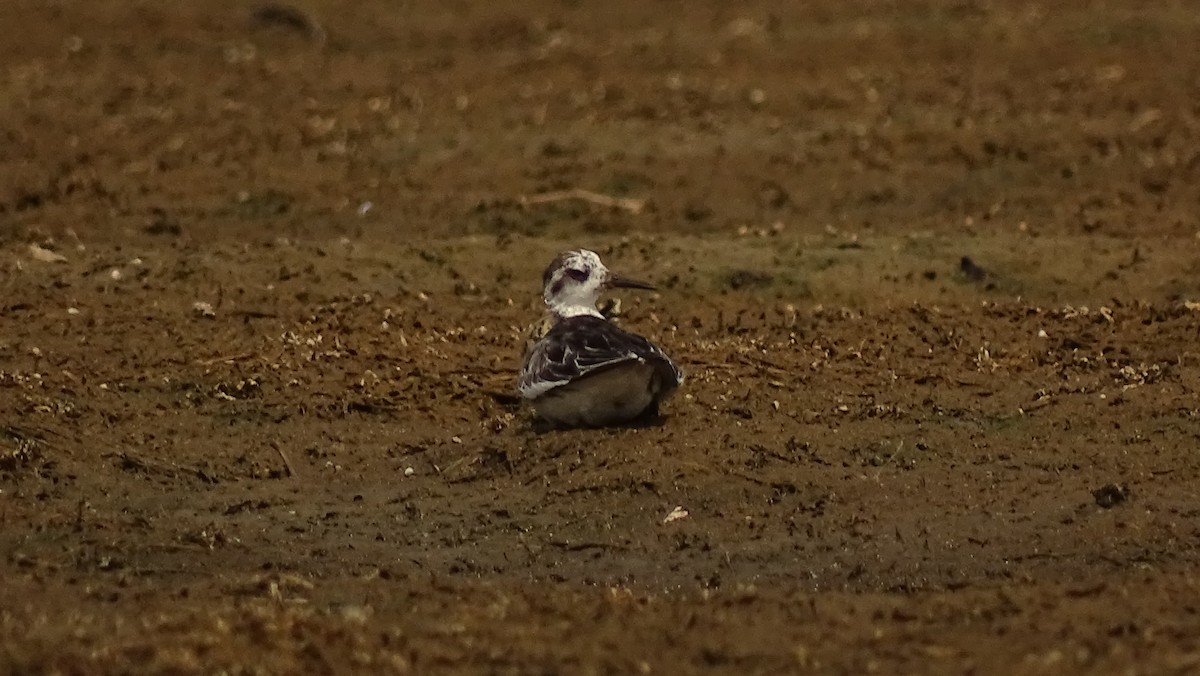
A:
131, 462
27, 434
629, 204
760, 363
710, 365
582, 546
230, 358
286, 461
254, 314
466, 468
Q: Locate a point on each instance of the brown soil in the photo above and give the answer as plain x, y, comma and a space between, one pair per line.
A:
929, 266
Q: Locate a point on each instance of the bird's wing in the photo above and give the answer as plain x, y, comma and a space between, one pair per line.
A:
574, 349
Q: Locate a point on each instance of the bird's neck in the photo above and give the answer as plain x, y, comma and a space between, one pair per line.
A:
564, 310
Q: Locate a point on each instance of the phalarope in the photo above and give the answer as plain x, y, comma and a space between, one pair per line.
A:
585, 370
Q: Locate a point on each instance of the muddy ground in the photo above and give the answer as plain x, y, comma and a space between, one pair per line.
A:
931, 268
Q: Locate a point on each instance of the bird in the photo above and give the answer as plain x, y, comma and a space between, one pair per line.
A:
585, 371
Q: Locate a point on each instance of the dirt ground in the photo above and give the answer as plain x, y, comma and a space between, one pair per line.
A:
931, 268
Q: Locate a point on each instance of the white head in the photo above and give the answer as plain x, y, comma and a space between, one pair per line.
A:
574, 281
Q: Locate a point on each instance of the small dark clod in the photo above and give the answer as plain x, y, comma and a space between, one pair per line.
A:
774, 196
971, 269
161, 223
696, 212
749, 279
289, 17
1070, 344
1110, 495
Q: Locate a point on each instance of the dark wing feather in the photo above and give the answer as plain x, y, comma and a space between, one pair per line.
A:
579, 346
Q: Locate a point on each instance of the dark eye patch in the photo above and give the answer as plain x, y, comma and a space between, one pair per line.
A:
577, 275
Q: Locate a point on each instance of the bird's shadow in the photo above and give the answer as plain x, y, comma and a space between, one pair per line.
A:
644, 421
651, 418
